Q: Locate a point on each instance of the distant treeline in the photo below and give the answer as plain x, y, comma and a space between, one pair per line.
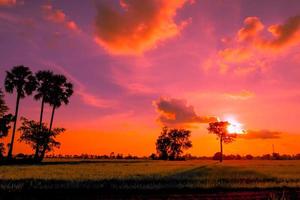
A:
274, 156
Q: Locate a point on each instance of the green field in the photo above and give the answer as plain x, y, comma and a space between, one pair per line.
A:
150, 175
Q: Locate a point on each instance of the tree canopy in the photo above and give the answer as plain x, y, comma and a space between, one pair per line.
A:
172, 142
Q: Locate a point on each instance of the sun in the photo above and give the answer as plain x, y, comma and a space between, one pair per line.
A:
235, 127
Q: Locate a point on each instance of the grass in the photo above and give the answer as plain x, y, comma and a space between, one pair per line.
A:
114, 175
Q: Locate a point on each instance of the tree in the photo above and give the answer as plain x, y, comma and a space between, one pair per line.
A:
3, 106
40, 139
20, 78
59, 93
220, 129
5, 120
171, 143
44, 83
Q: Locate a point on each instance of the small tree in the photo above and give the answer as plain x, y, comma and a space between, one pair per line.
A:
220, 129
5, 120
40, 139
171, 143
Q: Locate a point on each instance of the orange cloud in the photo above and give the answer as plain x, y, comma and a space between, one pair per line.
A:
235, 54
137, 26
252, 45
243, 95
58, 16
284, 35
8, 3
178, 112
262, 134
252, 27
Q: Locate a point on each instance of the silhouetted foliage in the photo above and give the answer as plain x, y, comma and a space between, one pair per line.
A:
3, 106
5, 120
21, 80
171, 143
40, 139
44, 83
59, 93
220, 129
217, 156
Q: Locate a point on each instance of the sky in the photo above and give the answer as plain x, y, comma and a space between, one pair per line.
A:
137, 66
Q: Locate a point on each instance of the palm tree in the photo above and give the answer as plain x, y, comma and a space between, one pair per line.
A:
21, 79
59, 93
44, 83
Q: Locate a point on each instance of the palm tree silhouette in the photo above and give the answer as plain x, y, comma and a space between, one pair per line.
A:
59, 93
21, 79
44, 83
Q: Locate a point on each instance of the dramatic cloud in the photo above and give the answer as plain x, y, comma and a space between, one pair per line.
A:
137, 25
178, 112
59, 17
262, 134
253, 43
285, 35
250, 38
8, 3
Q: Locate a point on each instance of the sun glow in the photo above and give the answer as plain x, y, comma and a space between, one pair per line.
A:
235, 127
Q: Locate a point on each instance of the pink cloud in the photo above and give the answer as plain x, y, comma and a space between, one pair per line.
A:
59, 17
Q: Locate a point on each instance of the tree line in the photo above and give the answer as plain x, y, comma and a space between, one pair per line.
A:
171, 143
48, 88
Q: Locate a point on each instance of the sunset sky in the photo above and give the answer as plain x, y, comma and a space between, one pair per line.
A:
140, 65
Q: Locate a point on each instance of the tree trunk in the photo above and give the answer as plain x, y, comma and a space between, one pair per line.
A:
9, 155
36, 155
221, 146
52, 116
50, 127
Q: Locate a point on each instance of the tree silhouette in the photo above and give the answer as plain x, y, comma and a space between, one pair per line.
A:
5, 120
21, 79
59, 93
220, 129
40, 139
171, 143
44, 83
3, 106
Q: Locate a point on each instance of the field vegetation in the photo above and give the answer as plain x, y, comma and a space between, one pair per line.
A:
151, 175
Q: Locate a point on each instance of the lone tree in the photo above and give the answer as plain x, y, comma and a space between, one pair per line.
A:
220, 129
171, 143
21, 80
40, 139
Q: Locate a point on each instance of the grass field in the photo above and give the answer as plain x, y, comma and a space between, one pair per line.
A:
150, 175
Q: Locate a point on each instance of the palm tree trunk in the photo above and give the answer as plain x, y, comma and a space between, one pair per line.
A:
9, 155
221, 146
50, 128
36, 155
52, 116
41, 114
